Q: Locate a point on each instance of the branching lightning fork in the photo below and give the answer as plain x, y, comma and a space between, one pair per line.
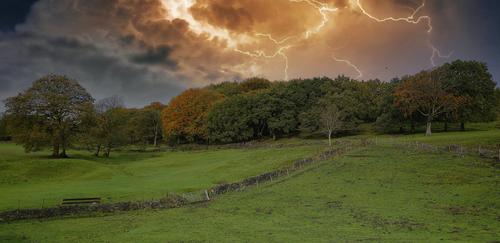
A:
324, 10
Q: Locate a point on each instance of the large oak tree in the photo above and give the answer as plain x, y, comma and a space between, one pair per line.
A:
426, 94
48, 114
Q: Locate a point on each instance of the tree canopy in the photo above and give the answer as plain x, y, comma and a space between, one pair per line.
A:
48, 114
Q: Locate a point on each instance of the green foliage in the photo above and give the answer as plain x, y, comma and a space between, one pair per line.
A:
3, 128
228, 89
230, 120
334, 113
391, 119
48, 114
254, 84
471, 79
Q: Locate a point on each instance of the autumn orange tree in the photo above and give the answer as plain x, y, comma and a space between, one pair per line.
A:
426, 94
185, 117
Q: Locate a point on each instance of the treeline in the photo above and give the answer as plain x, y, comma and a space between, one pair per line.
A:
459, 92
58, 112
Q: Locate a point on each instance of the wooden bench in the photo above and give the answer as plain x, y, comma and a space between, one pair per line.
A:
80, 201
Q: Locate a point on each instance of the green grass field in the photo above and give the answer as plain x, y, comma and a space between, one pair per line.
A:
30, 180
484, 134
373, 194
379, 193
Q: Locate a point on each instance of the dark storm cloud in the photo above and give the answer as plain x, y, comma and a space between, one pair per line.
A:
101, 73
156, 56
122, 47
135, 49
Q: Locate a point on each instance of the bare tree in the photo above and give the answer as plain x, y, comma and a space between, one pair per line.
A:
109, 103
331, 120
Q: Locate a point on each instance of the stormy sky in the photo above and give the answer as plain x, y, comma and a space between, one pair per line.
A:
150, 50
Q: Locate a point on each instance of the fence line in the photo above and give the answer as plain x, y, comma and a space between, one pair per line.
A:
175, 200
456, 149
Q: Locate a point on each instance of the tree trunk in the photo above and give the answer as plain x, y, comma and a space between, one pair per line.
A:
63, 154
55, 150
107, 152
98, 150
330, 138
446, 126
156, 136
428, 132
462, 126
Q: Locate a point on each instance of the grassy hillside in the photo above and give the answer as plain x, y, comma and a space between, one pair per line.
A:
374, 194
30, 180
485, 134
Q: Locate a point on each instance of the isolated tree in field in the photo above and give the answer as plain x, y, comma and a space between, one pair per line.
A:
426, 94
186, 115
48, 113
470, 79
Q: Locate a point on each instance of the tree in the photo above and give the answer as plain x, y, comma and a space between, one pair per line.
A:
186, 115
48, 113
470, 79
332, 114
113, 127
106, 127
426, 94
231, 120
254, 84
109, 103
3, 128
391, 118
153, 122
331, 120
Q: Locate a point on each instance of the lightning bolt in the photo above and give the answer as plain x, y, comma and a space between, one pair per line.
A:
323, 10
279, 52
412, 20
349, 63
180, 9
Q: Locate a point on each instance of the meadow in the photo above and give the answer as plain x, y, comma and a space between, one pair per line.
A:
35, 180
376, 193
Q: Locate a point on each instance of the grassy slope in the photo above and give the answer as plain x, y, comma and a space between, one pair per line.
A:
26, 180
376, 194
